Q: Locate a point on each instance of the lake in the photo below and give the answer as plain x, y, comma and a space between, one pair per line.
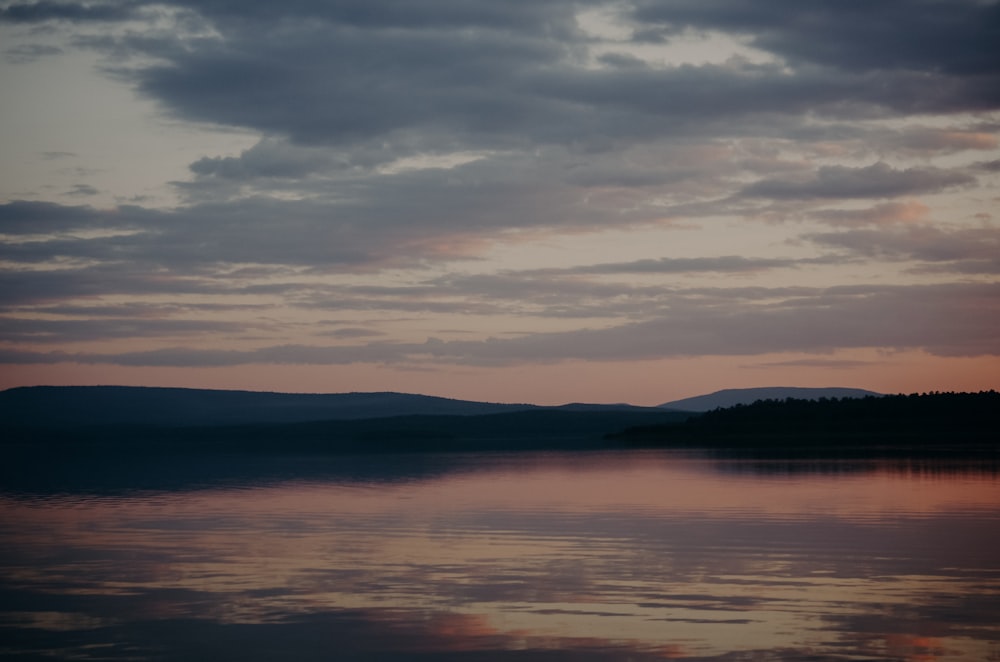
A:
631, 555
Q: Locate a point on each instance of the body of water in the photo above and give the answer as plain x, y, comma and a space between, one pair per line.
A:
633, 555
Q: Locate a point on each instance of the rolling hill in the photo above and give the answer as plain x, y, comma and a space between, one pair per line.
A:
182, 407
165, 420
137, 416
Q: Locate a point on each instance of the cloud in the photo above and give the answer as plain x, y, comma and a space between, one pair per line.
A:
21, 287
270, 158
349, 332
989, 166
29, 217
201, 237
399, 143
962, 250
38, 12
485, 76
49, 331
945, 320
25, 53
878, 180
339, 91
927, 140
886, 213
957, 37
347, 220
353, 83
84, 190
666, 265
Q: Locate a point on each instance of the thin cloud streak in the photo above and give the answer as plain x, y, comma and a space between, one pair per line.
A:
935, 319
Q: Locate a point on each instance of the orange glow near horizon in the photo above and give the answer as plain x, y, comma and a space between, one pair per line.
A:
647, 383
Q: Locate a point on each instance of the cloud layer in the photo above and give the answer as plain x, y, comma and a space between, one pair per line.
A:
775, 177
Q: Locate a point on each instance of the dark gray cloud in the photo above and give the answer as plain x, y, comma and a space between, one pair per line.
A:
349, 85
347, 222
30, 52
438, 91
22, 217
878, 180
37, 12
49, 331
690, 99
945, 320
267, 159
446, 74
350, 332
22, 287
137, 310
924, 140
82, 190
449, 76
264, 231
540, 16
962, 250
403, 135
666, 265
521, 294
536, 293
956, 37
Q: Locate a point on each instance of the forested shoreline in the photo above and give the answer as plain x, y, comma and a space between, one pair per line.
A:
935, 419
948, 421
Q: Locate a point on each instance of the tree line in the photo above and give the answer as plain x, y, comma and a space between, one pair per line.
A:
933, 418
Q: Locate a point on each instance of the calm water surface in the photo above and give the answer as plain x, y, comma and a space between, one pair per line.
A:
640, 555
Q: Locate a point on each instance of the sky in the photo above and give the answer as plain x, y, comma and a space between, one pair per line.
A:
519, 201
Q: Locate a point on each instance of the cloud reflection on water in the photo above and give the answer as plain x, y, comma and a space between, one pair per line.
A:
602, 556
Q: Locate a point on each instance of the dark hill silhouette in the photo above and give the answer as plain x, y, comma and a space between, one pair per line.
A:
163, 420
731, 397
136, 415
532, 429
940, 420
181, 407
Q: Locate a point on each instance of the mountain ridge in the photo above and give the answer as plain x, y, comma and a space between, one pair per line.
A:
67, 406
55, 406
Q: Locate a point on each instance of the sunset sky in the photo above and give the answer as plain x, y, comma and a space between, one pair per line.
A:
521, 200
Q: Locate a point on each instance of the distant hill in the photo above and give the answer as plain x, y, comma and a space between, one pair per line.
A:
136, 420
181, 407
117, 420
731, 397
61, 406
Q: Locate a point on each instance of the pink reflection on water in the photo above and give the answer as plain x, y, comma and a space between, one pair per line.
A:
667, 555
